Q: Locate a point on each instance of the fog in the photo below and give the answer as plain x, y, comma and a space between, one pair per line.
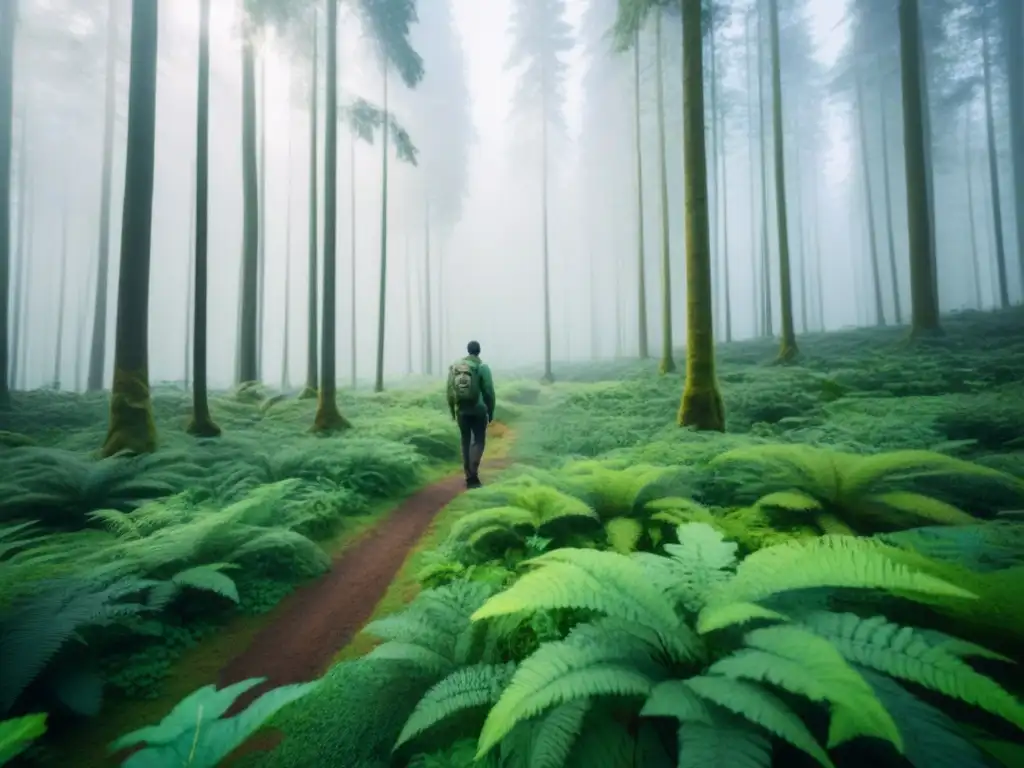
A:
476, 123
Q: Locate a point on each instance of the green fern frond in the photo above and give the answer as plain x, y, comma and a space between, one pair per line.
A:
722, 744
605, 582
918, 509
760, 708
503, 517
829, 561
204, 578
918, 464
791, 501
556, 733
725, 615
930, 738
426, 659
905, 653
805, 664
672, 698
623, 534
465, 688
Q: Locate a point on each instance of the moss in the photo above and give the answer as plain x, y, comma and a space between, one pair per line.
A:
667, 365
15, 440
788, 352
132, 427
328, 418
308, 393
202, 426
702, 407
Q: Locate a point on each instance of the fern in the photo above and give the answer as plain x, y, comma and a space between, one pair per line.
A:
468, 687
846, 492
723, 743
909, 655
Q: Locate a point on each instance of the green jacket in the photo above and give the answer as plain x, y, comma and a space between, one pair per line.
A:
485, 405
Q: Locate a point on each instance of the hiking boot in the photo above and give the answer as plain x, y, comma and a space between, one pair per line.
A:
473, 482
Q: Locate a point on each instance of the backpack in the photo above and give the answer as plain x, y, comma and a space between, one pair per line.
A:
464, 382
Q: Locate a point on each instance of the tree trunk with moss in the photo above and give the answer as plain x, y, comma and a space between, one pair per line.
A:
869, 207
641, 277
993, 171
201, 424
701, 405
312, 286
248, 355
667, 364
549, 376
767, 311
755, 298
58, 352
131, 426
21, 283
190, 298
328, 418
972, 222
923, 298
787, 349
894, 276
287, 326
98, 347
261, 251
428, 332
353, 304
382, 294
1012, 25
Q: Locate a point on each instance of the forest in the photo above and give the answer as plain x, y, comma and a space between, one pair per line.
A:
750, 278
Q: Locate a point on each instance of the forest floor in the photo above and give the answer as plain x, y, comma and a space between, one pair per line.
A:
321, 536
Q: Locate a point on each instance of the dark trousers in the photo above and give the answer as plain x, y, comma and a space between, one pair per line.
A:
473, 430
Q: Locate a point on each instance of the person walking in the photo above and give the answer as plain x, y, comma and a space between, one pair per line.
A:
471, 402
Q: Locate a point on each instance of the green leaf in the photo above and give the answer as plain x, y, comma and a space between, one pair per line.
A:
721, 616
792, 501
207, 741
18, 733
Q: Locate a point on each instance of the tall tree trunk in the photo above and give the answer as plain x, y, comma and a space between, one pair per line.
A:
929, 166
312, 374
382, 296
248, 338
428, 334
84, 296
287, 330
788, 349
894, 275
190, 299
923, 297
131, 425
1012, 24
798, 192
667, 364
8, 22
641, 268
62, 295
328, 418
201, 424
98, 348
819, 283
25, 288
716, 266
752, 182
20, 284
548, 377
353, 315
261, 253
993, 172
408, 308
869, 208
972, 225
701, 406
721, 176
767, 318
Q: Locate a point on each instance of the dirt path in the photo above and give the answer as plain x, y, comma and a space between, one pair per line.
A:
312, 624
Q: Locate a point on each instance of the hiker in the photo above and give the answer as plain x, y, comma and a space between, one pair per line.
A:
471, 402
